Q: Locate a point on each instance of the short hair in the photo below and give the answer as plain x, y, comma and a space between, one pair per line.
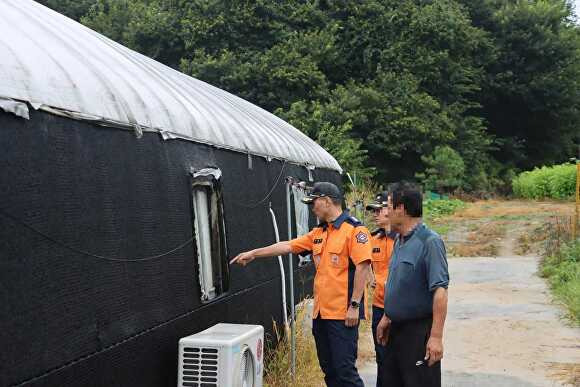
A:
409, 195
336, 201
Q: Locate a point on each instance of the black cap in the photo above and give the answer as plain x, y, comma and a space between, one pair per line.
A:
322, 189
381, 200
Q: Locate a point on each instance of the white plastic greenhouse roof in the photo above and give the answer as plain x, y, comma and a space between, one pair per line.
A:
59, 65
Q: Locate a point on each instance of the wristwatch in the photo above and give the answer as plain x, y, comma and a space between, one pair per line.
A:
354, 304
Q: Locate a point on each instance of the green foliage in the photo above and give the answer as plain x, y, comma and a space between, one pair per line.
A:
531, 93
71, 8
433, 209
557, 182
151, 27
445, 170
384, 85
313, 119
562, 269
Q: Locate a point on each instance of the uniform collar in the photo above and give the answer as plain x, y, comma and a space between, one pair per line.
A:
337, 222
405, 238
381, 233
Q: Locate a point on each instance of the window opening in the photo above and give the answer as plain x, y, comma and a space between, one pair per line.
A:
209, 231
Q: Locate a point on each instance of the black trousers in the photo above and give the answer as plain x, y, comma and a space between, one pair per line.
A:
403, 364
379, 349
336, 346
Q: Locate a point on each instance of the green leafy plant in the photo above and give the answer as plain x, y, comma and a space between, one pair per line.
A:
562, 270
557, 182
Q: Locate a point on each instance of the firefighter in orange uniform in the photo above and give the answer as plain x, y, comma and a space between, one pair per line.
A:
341, 250
382, 242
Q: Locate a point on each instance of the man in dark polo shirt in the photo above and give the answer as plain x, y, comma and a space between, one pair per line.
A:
416, 305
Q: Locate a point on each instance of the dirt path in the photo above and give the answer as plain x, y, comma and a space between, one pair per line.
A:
503, 328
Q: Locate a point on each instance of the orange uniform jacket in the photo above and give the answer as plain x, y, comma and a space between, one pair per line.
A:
336, 248
382, 244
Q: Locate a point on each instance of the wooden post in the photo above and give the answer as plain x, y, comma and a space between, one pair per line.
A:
577, 212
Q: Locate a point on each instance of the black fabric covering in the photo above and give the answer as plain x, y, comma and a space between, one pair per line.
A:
68, 319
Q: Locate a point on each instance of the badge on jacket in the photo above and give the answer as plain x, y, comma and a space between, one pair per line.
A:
361, 237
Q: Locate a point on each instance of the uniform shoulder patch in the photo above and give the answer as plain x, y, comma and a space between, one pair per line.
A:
362, 237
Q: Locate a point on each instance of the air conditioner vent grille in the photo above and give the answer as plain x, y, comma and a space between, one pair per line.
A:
200, 367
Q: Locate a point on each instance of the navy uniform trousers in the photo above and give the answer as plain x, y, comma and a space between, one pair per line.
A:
379, 349
336, 346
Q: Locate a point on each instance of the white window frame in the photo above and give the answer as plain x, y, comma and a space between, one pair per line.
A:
208, 216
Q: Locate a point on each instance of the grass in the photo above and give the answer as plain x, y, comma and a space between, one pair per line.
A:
436, 213
436, 209
562, 271
513, 217
532, 240
363, 195
516, 209
277, 361
441, 229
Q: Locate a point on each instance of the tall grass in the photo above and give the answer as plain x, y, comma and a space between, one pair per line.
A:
562, 270
277, 361
358, 197
561, 265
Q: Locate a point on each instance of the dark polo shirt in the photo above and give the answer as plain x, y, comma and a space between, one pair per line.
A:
418, 267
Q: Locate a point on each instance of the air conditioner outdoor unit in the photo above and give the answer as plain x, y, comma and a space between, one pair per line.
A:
225, 355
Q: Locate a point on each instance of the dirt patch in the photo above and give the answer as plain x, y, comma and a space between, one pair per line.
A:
534, 239
481, 240
501, 323
500, 228
567, 373
515, 209
531, 240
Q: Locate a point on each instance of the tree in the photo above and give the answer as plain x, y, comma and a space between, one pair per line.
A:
530, 95
445, 170
380, 83
74, 9
152, 27
316, 121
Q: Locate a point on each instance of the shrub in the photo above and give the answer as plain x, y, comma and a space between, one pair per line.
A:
557, 182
